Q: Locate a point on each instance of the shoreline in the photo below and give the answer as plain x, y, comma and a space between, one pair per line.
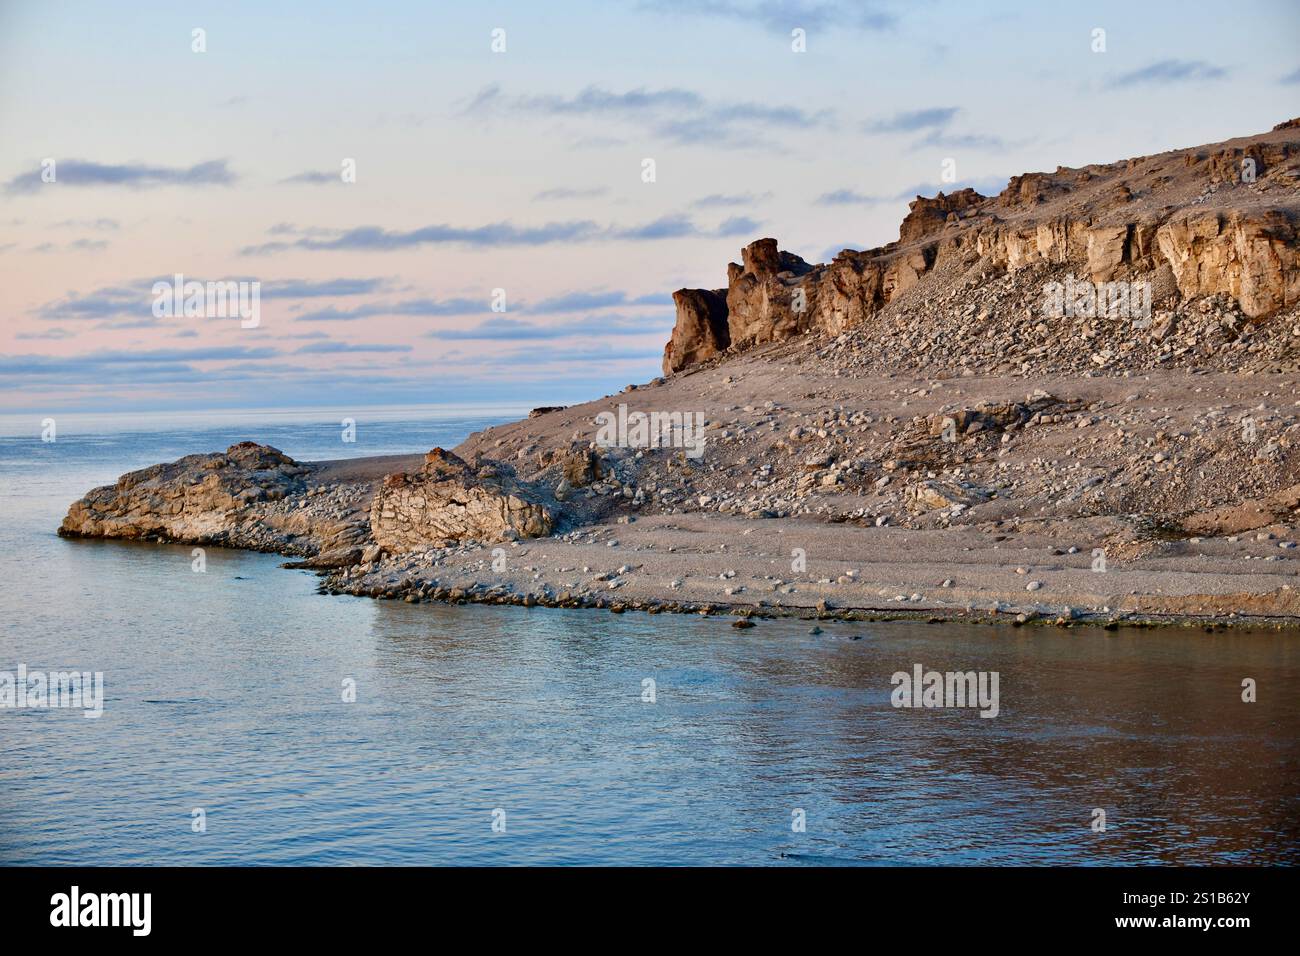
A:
649, 565
1148, 470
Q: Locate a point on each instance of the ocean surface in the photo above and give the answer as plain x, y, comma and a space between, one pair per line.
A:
483, 735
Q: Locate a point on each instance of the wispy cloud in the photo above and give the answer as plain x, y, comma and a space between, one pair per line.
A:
54, 334
935, 123
1167, 72
413, 307
682, 227
576, 301
939, 138
104, 302
77, 245
102, 224
311, 288
582, 301
313, 178
133, 300
724, 200
591, 101
1291, 78
498, 234
679, 115
547, 195
781, 16
910, 121
376, 238
14, 365
81, 173
850, 197
505, 329
536, 355
334, 348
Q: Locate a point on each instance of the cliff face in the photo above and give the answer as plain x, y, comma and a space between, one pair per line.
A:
1222, 220
701, 331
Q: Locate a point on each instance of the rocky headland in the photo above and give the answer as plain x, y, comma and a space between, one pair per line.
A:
1073, 401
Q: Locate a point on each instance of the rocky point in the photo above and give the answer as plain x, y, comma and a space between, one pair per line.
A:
933, 428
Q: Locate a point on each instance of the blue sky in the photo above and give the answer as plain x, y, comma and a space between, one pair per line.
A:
522, 171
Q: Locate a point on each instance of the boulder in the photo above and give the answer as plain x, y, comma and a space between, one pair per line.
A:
448, 502
581, 467
933, 495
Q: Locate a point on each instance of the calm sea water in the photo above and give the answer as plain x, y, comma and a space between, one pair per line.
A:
224, 693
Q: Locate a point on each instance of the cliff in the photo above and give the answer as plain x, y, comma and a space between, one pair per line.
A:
1211, 220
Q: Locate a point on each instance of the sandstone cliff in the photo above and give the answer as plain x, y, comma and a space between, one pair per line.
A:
1212, 220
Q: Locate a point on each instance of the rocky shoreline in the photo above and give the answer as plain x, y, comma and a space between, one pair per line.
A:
546, 575
902, 433
917, 547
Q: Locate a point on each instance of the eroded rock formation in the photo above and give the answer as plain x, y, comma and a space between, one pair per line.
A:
1224, 218
447, 502
250, 496
199, 498
701, 331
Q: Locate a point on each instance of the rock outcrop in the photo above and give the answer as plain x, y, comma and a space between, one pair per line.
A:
701, 332
882, 403
764, 295
255, 497
448, 502
200, 498
251, 496
1224, 218
1253, 258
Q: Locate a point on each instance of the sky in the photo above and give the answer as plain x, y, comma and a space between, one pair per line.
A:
503, 239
